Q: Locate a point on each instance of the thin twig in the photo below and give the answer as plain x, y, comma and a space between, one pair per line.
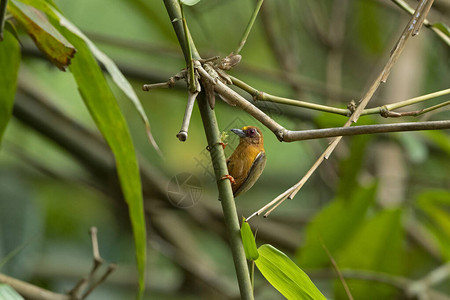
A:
111, 268
95, 251
97, 263
148, 87
183, 134
3, 4
339, 273
30, 291
405, 6
249, 27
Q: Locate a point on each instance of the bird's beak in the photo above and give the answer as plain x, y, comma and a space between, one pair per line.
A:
239, 132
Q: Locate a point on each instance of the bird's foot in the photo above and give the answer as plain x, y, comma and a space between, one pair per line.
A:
228, 177
220, 143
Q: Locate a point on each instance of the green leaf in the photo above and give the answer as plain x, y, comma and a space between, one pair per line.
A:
105, 111
9, 62
44, 35
8, 293
334, 226
189, 2
251, 252
350, 167
369, 28
439, 139
117, 76
377, 246
436, 206
285, 275
442, 27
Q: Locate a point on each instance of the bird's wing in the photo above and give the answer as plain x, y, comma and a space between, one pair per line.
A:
255, 171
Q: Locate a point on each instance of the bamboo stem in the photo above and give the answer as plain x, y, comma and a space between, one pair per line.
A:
226, 196
249, 27
219, 162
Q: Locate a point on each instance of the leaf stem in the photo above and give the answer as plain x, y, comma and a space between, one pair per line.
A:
190, 64
249, 27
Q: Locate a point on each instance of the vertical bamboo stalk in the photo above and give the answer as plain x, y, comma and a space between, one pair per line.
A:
218, 160
226, 196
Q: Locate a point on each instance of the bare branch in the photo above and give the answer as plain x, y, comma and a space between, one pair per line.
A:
97, 263
290, 136
339, 273
183, 134
29, 291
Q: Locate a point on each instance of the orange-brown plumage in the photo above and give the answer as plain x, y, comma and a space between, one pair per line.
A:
248, 160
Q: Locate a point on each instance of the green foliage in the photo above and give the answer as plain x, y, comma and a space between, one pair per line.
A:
251, 252
9, 62
442, 27
377, 245
105, 111
106, 114
369, 27
334, 227
435, 205
285, 275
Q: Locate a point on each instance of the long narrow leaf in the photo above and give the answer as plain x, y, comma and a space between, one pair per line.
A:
44, 35
376, 246
251, 252
9, 62
117, 76
285, 275
105, 111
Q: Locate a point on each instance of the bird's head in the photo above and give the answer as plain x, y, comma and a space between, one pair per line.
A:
250, 134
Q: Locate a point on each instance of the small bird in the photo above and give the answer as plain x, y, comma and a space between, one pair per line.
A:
248, 160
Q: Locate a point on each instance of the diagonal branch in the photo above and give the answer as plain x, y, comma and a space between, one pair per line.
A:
410, 29
403, 5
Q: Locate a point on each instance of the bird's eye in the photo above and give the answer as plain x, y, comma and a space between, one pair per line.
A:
251, 132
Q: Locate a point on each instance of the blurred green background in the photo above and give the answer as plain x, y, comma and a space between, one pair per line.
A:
380, 203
